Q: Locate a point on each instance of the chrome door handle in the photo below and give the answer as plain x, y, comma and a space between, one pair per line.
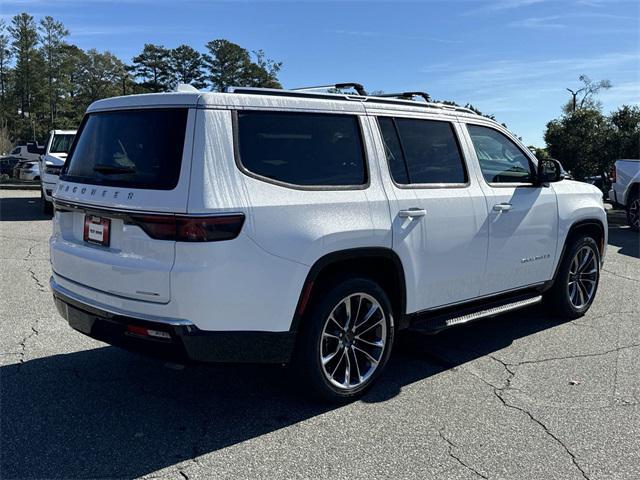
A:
412, 212
502, 207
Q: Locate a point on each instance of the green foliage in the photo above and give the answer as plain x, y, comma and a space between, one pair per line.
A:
52, 35
46, 82
187, 66
588, 142
579, 140
229, 64
625, 132
153, 67
584, 97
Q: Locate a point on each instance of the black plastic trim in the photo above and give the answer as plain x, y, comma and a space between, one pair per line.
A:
187, 342
572, 229
351, 254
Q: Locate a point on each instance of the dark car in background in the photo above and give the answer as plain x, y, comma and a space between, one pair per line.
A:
7, 165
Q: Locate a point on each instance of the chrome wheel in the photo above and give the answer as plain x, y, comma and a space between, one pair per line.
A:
583, 277
353, 341
634, 214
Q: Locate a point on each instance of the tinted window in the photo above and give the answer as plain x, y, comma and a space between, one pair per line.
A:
500, 159
15, 151
137, 148
33, 148
302, 148
393, 150
429, 149
61, 143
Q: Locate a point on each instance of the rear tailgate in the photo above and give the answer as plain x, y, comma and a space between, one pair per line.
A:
124, 164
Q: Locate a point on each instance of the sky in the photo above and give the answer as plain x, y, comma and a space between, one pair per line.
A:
510, 58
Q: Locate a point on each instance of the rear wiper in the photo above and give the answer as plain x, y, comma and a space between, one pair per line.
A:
112, 169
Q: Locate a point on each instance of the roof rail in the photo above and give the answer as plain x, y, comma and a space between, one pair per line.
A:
338, 86
308, 92
406, 95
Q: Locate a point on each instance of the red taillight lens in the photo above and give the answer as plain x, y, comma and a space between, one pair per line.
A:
613, 174
160, 227
190, 229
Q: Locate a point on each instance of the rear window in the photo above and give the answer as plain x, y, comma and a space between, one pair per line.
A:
305, 149
61, 143
134, 148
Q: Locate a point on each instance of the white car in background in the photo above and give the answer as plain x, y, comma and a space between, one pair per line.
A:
625, 189
52, 162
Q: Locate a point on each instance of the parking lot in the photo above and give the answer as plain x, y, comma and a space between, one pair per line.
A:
519, 396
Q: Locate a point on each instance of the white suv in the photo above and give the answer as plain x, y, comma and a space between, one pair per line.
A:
293, 227
51, 163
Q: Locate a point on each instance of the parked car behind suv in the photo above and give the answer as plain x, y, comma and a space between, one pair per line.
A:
625, 189
52, 161
297, 227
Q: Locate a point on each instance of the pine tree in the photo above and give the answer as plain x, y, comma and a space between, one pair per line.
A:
28, 68
153, 67
52, 35
5, 59
186, 65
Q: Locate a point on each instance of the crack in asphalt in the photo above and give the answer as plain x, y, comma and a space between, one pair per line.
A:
498, 394
498, 391
621, 276
29, 252
23, 343
39, 284
578, 355
451, 446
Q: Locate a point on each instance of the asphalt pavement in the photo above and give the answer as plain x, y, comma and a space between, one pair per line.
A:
520, 396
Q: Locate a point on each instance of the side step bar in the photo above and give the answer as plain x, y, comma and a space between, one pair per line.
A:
434, 321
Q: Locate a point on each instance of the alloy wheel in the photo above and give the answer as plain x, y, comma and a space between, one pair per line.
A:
353, 341
583, 277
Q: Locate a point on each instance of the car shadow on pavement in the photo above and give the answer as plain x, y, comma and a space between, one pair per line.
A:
626, 239
22, 209
109, 413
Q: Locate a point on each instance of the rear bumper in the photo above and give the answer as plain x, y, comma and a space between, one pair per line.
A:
184, 342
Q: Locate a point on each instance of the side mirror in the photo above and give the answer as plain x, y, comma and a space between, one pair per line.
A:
549, 171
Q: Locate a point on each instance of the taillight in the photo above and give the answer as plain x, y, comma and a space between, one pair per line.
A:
190, 229
613, 174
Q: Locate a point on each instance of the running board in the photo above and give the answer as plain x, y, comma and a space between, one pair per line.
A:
433, 322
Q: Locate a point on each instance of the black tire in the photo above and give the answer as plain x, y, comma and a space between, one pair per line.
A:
47, 207
312, 343
633, 212
559, 298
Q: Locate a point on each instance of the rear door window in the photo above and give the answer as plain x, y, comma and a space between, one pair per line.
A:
305, 149
422, 152
129, 148
61, 143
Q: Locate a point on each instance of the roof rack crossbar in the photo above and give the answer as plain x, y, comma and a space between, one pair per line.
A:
358, 87
406, 95
309, 92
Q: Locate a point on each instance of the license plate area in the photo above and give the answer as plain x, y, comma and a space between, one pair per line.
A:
97, 230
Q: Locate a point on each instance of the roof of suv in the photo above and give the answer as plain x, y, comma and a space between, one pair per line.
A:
276, 99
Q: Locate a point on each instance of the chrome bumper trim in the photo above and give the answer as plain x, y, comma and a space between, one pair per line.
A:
60, 291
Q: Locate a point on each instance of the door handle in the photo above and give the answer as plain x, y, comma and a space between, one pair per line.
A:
502, 207
412, 213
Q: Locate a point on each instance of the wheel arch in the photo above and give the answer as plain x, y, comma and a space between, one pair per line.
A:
381, 264
593, 226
